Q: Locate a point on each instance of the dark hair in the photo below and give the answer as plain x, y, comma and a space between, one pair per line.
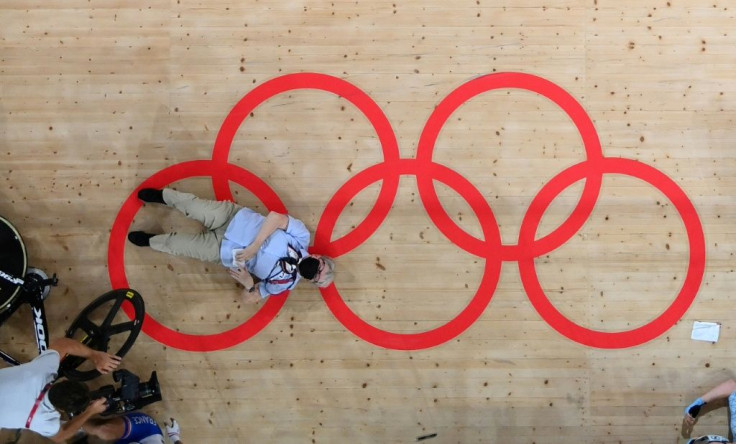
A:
309, 267
71, 397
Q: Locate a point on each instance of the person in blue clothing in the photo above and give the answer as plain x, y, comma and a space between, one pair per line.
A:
266, 254
133, 428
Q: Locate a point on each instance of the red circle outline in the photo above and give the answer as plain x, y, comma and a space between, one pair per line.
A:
664, 321
116, 255
482, 297
558, 96
352, 94
220, 182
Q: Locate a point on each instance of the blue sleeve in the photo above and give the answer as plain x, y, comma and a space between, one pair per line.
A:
244, 227
262, 290
298, 231
271, 289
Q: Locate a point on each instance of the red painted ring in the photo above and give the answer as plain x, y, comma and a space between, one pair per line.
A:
664, 321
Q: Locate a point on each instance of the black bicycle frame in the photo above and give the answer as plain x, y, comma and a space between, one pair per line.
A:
31, 294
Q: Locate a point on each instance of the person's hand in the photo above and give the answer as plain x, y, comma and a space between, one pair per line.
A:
252, 297
241, 275
689, 420
247, 253
104, 362
686, 430
97, 406
172, 430
691, 411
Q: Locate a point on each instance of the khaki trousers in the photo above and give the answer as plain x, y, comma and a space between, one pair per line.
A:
213, 214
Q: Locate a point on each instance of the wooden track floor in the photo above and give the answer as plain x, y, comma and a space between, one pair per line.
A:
98, 96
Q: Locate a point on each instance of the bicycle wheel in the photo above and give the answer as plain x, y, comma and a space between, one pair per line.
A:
102, 325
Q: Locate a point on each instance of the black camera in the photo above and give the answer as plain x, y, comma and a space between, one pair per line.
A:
131, 395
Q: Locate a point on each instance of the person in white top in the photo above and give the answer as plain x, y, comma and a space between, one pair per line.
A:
266, 254
26, 390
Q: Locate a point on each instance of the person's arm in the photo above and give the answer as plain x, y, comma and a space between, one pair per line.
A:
722, 390
251, 294
104, 362
273, 221
69, 428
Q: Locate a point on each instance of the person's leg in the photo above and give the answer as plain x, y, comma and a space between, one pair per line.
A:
213, 214
203, 246
106, 429
140, 428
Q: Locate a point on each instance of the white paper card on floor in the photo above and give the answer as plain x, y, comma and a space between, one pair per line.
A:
706, 331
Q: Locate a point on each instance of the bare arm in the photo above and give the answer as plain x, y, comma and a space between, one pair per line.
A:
251, 294
274, 221
104, 362
722, 390
70, 428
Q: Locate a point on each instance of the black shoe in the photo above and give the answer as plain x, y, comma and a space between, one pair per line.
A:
151, 195
140, 238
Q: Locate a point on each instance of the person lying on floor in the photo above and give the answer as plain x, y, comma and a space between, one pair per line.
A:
266, 254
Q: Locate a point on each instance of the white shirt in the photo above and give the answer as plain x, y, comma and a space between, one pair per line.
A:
19, 389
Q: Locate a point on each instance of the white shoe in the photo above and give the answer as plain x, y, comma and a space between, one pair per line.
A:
709, 438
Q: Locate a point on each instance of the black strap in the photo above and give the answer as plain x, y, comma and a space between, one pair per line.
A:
289, 265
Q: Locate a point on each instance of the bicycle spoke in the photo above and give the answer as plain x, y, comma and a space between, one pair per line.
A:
113, 311
120, 328
89, 327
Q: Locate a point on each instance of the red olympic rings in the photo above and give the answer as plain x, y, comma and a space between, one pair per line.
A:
426, 172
